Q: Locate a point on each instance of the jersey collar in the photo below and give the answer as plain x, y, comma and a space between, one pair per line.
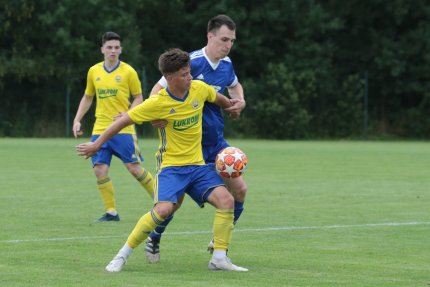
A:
176, 98
212, 64
114, 68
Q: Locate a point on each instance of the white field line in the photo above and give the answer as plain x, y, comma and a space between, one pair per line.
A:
266, 229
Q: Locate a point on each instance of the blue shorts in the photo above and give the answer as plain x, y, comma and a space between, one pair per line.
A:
198, 181
123, 146
210, 151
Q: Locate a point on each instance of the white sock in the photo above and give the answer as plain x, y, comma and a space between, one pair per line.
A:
114, 213
125, 251
219, 254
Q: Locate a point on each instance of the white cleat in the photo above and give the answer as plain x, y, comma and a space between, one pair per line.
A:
116, 265
224, 264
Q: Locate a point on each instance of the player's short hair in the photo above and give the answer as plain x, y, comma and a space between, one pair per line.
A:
220, 20
173, 60
110, 36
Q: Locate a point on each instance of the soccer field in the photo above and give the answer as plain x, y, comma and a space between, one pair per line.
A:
318, 213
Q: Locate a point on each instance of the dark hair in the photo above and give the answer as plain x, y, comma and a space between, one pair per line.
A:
173, 60
216, 22
110, 36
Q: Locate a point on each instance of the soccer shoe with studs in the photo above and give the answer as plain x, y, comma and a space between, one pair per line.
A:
108, 217
117, 263
224, 264
152, 250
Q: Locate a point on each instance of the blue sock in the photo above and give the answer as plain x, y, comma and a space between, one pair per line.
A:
159, 230
238, 208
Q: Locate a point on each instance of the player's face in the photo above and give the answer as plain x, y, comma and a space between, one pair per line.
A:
182, 78
221, 41
111, 50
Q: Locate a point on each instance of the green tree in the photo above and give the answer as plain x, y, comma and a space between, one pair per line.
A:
298, 59
276, 105
48, 48
390, 40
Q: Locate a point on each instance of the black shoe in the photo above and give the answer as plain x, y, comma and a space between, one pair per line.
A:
108, 217
152, 250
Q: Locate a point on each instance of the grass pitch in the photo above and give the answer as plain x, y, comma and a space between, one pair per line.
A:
317, 214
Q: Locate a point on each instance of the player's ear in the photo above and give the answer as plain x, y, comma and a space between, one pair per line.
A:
169, 76
210, 35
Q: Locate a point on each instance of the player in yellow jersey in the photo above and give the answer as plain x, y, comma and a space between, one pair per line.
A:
211, 65
180, 164
112, 82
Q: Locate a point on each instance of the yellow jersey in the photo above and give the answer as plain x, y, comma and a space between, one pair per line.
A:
180, 140
112, 90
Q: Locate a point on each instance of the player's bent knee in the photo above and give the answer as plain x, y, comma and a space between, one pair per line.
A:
134, 169
164, 209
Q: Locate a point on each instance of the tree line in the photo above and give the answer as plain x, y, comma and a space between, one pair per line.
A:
310, 69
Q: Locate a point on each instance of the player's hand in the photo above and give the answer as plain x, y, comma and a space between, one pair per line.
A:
86, 149
77, 129
237, 106
118, 116
159, 124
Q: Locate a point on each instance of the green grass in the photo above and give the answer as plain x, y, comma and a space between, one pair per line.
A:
317, 214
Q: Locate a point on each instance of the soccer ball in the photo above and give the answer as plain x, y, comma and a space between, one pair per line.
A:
231, 162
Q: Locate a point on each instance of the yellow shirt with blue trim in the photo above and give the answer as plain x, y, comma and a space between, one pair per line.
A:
180, 140
112, 90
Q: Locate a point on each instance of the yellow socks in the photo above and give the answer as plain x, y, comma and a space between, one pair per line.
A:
223, 228
107, 193
143, 228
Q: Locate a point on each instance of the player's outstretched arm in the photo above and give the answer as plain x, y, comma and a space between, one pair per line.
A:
90, 148
236, 108
227, 104
223, 101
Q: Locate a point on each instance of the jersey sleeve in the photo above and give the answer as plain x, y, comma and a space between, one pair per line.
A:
211, 93
234, 83
90, 89
163, 82
147, 111
233, 80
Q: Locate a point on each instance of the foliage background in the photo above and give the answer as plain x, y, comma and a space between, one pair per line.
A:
303, 63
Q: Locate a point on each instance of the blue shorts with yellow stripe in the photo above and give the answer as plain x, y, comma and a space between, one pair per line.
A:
198, 181
123, 146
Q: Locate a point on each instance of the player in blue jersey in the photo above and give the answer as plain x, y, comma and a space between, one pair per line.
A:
211, 65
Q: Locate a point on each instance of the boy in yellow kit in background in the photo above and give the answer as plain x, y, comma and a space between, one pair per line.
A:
112, 82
